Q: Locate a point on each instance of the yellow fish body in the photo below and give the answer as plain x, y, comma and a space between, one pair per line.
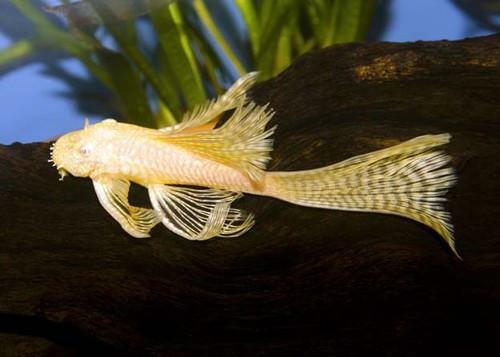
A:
409, 179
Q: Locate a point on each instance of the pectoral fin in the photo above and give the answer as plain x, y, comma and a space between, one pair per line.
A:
113, 196
199, 214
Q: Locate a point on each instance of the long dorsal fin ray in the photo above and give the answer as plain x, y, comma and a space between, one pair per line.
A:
242, 142
113, 196
199, 214
206, 116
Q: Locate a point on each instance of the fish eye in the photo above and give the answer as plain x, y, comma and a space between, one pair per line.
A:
85, 150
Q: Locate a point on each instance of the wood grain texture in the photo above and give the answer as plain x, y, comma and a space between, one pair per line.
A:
302, 281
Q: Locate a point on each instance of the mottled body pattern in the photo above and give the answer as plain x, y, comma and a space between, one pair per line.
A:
224, 161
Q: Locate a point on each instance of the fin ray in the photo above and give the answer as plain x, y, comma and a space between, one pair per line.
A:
204, 117
113, 196
199, 214
242, 142
409, 179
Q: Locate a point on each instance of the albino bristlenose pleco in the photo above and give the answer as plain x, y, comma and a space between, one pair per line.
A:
194, 171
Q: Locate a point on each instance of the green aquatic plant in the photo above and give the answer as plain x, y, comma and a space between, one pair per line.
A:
200, 46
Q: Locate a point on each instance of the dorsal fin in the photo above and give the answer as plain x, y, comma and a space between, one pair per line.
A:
242, 142
205, 116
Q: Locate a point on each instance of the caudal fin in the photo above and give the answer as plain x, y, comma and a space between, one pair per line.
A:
409, 179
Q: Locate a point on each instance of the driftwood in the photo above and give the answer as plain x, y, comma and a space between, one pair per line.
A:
303, 281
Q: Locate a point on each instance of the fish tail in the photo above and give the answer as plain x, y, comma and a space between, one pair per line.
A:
409, 180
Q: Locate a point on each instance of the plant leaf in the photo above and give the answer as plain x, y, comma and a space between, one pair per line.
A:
206, 18
83, 14
174, 42
127, 85
249, 14
282, 14
16, 52
124, 34
352, 19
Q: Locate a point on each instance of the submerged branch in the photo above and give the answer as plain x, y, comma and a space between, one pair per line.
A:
325, 282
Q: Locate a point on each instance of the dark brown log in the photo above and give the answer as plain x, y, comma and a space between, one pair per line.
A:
303, 281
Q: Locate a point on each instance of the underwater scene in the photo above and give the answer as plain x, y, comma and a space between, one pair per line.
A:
249, 177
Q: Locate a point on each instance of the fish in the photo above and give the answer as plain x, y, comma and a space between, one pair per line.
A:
195, 170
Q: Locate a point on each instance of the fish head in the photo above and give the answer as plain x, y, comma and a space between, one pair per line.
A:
74, 153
